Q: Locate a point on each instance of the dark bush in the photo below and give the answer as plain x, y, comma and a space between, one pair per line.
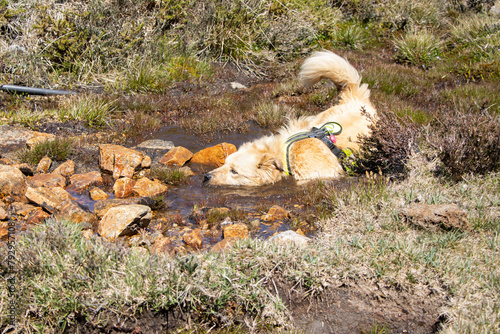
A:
388, 148
468, 143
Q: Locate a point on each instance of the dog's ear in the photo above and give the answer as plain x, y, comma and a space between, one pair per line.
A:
269, 161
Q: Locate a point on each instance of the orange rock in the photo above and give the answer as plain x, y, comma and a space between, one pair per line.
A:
97, 194
146, 188
81, 182
3, 214
37, 217
124, 220
4, 231
276, 212
238, 230
71, 211
177, 156
161, 245
121, 161
44, 165
224, 244
47, 180
193, 239
12, 182
67, 168
45, 197
214, 155
123, 187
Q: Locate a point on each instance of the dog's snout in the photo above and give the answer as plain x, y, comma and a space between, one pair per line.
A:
207, 177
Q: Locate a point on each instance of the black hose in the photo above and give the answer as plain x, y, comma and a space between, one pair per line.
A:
34, 91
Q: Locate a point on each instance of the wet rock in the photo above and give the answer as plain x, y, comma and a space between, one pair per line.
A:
289, 237
186, 171
102, 206
238, 230
44, 197
13, 137
97, 194
124, 220
146, 188
81, 182
72, 211
67, 168
3, 214
61, 193
37, 216
12, 182
120, 161
215, 155
193, 239
156, 144
47, 180
224, 244
436, 217
123, 187
276, 212
177, 156
44, 165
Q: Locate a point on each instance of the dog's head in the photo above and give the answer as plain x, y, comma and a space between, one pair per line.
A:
254, 164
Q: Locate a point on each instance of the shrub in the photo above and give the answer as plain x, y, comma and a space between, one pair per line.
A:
387, 149
467, 143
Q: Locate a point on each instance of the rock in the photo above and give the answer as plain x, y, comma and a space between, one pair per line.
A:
436, 217
177, 156
186, 171
289, 237
72, 211
238, 230
215, 155
37, 216
47, 180
81, 182
67, 168
495, 9
21, 209
146, 188
88, 233
193, 239
238, 86
102, 206
161, 245
146, 162
3, 214
224, 244
120, 161
4, 231
44, 197
12, 182
123, 187
24, 168
13, 137
124, 220
61, 193
97, 194
156, 144
44, 165
276, 212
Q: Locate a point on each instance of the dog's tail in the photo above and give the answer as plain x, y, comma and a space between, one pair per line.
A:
328, 65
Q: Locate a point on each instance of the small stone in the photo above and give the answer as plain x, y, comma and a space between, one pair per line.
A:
289, 237
214, 156
156, 144
44, 165
67, 168
238, 230
47, 180
3, 214
102, 206
177, 156
123, 187
224, 244
276, 212
12, 182
146, 188
4, 231
193, 239
88, 233
161, 245
124, 220
81, 182
97, 194
146, 162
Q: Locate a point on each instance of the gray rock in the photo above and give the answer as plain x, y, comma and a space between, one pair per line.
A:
156, 144
124, 220
289, 237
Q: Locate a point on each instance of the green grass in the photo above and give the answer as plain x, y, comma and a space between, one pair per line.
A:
93, 110
418, 48
57, 149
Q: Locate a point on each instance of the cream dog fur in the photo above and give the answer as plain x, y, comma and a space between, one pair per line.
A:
263, 161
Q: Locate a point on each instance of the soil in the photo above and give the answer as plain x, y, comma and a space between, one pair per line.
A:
357, 307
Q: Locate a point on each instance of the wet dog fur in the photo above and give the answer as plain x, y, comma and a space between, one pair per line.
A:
263, 161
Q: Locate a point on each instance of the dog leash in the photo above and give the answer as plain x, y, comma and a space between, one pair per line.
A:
326, 133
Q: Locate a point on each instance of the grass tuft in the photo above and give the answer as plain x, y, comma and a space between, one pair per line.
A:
57, 149
418, 48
